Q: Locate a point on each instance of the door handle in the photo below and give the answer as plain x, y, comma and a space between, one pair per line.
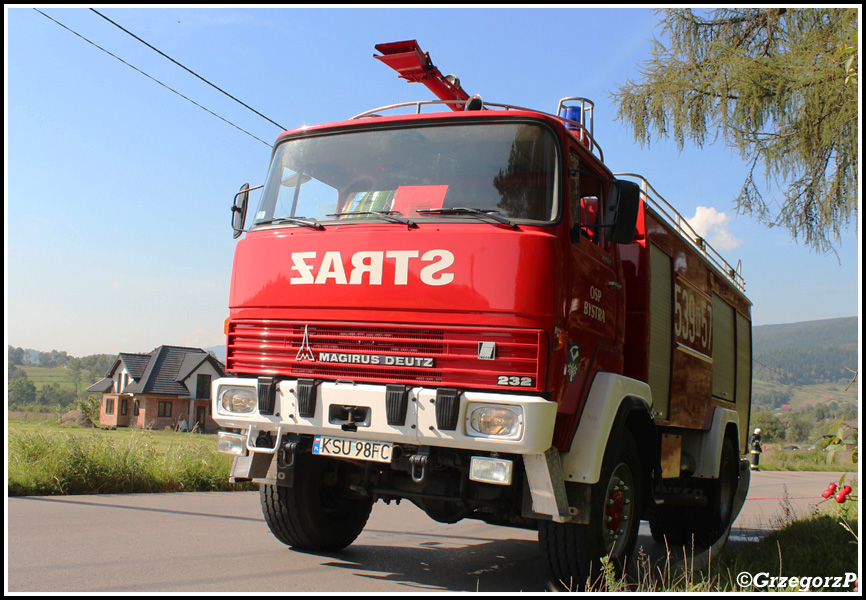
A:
615, 284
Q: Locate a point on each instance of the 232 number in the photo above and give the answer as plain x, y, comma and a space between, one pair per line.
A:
513, 381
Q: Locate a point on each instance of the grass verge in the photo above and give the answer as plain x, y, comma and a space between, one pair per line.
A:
806, 460
54, 462
816, 553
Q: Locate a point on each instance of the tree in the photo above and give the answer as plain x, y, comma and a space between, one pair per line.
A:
780, 85
75, 368
91, 407
52, 394
14, 372
16, 356
21, 392
772, 430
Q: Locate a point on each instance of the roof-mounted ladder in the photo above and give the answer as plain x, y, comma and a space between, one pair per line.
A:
413, 65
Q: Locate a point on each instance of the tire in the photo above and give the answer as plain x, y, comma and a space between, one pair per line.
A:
670, 525
572, 552
679, 525
713, 521
317, 513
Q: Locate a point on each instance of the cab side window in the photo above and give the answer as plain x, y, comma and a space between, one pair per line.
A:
589, 218
574, 215
586, 200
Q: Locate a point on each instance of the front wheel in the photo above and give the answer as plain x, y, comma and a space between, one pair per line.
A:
573, 552
318, 513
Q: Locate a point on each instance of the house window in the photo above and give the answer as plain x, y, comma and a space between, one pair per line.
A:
124, 406
135, 408
109, 406
164, 409
203, 387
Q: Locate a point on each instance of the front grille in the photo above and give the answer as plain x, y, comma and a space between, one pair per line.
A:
387, 353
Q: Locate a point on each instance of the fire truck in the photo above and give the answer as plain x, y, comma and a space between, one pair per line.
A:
456, 303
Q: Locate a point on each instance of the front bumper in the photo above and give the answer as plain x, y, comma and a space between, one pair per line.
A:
420, 426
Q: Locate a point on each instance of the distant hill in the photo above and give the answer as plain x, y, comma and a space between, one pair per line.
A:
806, 334
799, 359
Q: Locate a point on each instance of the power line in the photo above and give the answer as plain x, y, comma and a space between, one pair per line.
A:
153, 79
188, 70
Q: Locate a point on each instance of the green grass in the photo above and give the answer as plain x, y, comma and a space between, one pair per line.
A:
823, 545
162, 440
812, 547
46, 375
805, 460
54, 460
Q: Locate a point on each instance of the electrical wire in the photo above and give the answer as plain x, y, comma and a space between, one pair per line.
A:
189, 70
153, 78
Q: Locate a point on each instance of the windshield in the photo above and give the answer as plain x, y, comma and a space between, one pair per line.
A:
505, 168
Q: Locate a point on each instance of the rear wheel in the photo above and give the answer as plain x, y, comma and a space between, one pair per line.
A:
713, 521
678, 525
318, 513
573, 551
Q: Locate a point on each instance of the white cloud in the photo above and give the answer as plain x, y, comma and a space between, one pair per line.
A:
712, 225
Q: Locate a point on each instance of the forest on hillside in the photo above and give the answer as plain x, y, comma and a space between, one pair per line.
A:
807, 353
807, 366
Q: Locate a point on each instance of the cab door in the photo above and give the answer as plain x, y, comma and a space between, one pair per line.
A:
596, 298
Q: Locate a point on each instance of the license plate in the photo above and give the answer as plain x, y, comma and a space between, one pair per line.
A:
357, 449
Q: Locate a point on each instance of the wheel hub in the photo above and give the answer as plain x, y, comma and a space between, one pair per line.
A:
618, 509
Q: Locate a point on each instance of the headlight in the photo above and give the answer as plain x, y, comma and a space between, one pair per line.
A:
238, 399
491, 470
231, 443
495, 420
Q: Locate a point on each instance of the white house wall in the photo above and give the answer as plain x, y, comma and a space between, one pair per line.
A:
204, 369
119, 380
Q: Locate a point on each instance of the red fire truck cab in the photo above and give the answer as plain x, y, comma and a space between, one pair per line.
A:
465, 308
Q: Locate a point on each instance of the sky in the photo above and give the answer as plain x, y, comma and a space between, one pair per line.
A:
117, 190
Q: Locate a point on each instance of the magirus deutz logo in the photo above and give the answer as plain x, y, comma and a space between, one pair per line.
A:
377, 359
355, 358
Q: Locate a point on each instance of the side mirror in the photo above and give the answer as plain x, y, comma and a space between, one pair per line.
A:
239, 210
620, 215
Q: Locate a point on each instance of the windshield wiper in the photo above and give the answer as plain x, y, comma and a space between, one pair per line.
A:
294, 220
387, 215
462, 210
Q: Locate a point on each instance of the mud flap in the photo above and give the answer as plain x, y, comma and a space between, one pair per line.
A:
547, 485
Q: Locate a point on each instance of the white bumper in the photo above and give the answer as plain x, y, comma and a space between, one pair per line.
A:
536, 413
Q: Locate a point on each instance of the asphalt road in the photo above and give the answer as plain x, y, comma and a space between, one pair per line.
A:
218, 542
